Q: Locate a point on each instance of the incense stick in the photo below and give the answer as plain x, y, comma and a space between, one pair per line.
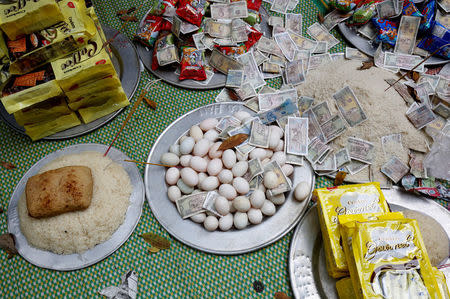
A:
428, 57
148, 163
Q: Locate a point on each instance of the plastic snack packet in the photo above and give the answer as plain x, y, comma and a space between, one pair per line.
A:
387, 31
439, 36
192, 11
42, 112
192, 64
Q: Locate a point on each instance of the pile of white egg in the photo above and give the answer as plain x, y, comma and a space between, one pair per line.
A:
205, 168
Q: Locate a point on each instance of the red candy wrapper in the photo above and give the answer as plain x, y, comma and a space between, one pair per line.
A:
251, 4
232, 51
164, 8
253, 37
192, 11
192, 65
149, 32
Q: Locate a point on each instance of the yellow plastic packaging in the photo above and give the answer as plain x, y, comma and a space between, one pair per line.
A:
92, 113
391, 261
342, 200
42, 112
347, 226
95, 99
442, 283
93, 88
25, 17
62, 38
40, 130
345, 289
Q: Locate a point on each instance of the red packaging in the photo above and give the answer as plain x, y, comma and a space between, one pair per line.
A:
192, 11
192, 64
251, 4
253, 37
232, 51
150, 30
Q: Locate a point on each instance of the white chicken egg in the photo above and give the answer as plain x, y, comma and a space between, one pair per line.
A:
301, 191
189, 176
240, 168
274, 139
241, 203
226, 222
225, 176
173, 193
269, 153
240, 220
196, 133
214, 166
210, 183
280, 157
198, 164
222, 206
201, 177
270, 180
227, 191
175, 149
287, 169
187, 145
172, 175
211, 223
199, 218
229, 158
257, 153
185, 189
211, 135
268, 208
257, 199
201, 148
241, 185
254, 216
185, 160
232, 208
213, 152
280, 146
170, 159
276, 131
208, 124
241, 157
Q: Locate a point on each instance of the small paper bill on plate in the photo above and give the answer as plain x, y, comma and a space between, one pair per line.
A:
355, 166
302, 42
342, 157
349, 106
294, 23
209, 203
355, 54
191, 205
252, 74
234, 78
391, 144
259, 135
316, 150
395, 169
406, 34
283, 183
361, 150
294, 73
294, 159
322, 112
320, 33
333, 18
254, 168
333, 128
252, 104
317, 60
297, 136
314, 129
403, 61
416, 163
420, 116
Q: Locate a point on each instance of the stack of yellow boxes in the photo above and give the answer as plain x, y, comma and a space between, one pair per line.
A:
60, 68
382, 252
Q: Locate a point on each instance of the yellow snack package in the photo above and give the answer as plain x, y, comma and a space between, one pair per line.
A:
391, 261
342, 200
92, 113
27, 90
93, 88
25, 17
95, 99
42, 112
442, 283
345, 289
40, 130
347, 226
29, 52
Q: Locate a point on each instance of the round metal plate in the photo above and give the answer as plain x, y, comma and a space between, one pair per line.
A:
168, 73
49, 260
193, 234
307, 270
366, 47
127, 65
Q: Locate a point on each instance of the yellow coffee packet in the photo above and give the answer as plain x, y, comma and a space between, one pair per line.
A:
95, 99
342, 200
25, 17
93, 88
442, 283
43, 129
391, 261
344, 288
42, 112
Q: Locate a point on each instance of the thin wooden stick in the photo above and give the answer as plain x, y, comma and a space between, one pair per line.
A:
428, 57
148, 163
133, 110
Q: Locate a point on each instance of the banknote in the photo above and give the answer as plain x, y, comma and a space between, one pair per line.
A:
391, 144
436, 127
282, 122
317, 60
403, 61
442, 110
228, 11
395, 169
407, 33
267, 89
432, 79
259, 135
167, 55
234, 78
218, 29
349, 106
176, 25
421, 116
268, 45
416, 164
402, 90
269, 101
443, 88
226, 95
354, 166
423, 92
191, 205
228, 121
209, 76
294, 160
252, 74
278, 29
239, 34
259, 57
443, 18
327, 166
252, 104
321, 48
245, 91
342, 157
322, 112
224, 63
255, 168
283, 184
276, 21
368, 31
304, 103
209, 203
208, 42
387, 9
286, 45
281, 61
333, 128
297, 136
338, 56
320, 33
187, 27
293, 72
255, 182
198, 41
361, 150
333, 18
244, 148
280, 6
352, 53
302, 42
379, 57
294, 23
271, 68
316, 150
314, 129
225, 42
286, 108
303, 55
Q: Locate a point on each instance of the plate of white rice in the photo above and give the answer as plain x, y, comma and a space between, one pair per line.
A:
76, 240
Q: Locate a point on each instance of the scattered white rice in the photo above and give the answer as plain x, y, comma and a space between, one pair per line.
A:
76, 232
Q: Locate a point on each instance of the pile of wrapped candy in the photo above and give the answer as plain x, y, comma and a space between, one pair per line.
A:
55, 67
407, 26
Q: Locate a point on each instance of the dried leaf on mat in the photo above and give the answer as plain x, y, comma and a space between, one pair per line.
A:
281, 295
233, 141
366, 65
153, 249
151, 103
340, 177
7, 165
128, 18
156, 240
7, 244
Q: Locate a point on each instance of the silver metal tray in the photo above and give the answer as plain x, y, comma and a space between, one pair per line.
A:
307, 271
193, 234
49, 260
126, 62
366, 47
168, 73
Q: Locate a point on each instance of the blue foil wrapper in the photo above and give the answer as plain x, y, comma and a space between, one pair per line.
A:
429, 16
387, 31
438, 37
